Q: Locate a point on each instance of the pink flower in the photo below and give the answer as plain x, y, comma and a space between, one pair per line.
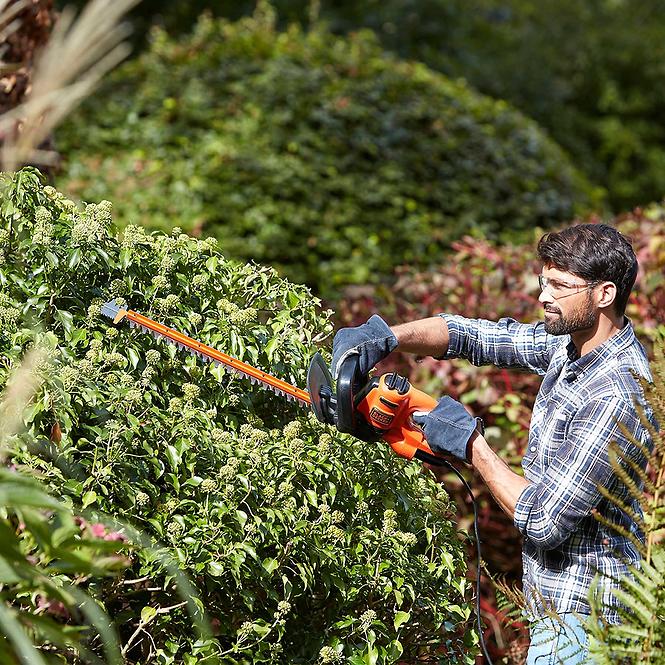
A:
98, 530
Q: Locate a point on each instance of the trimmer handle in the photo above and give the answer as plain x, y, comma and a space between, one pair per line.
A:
388, 403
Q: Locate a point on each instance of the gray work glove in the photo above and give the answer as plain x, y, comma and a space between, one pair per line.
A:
447, 427
372, 341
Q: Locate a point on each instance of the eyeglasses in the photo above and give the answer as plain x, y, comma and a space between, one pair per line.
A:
558, 289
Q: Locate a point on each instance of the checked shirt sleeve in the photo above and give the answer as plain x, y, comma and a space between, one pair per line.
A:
504, 343
547, 512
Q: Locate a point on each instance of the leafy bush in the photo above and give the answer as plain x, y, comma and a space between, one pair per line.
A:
47, 560
589, 73
303, 544
487, 281
321, 156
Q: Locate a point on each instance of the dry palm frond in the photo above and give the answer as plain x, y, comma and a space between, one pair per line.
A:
640, 638
80, 51
22, 385
9, 23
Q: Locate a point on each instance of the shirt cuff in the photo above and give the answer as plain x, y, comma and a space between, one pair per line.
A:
523, 507
455, 328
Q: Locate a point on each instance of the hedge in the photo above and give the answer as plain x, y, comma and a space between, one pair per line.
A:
321, 156
304, 545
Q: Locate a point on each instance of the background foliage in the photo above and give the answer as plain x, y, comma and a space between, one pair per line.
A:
320, 156
272, 517
590, 73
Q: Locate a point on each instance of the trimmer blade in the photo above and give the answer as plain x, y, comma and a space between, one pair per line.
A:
205, 352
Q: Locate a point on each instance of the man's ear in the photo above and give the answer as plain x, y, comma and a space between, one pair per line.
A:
607, 293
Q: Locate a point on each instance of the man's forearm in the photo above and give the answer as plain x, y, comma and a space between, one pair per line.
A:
426, 337
429, 337
504, 484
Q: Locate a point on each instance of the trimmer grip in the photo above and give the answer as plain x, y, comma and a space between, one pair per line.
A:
388, 407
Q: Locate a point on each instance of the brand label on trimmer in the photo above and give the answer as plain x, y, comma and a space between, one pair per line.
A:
381, 417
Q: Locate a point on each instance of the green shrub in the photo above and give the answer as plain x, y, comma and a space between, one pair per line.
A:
321, 156
588, 73
305, 545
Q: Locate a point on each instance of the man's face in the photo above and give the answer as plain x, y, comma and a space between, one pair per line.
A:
568, 302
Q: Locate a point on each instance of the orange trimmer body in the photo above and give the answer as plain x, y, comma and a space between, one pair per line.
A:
388, 403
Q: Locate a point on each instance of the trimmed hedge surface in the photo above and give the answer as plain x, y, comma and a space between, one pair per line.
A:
304, 545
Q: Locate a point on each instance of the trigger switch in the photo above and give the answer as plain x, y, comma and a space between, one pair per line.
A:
391, 380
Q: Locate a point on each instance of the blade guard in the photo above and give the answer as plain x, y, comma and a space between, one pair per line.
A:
351, 386
319, 386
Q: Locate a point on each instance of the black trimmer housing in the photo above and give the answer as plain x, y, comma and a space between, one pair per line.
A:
338, 407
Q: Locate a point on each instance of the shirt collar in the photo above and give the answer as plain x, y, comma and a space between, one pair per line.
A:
609, 348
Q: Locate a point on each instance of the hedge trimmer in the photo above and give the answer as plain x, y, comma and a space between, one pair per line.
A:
369, 409
380, 408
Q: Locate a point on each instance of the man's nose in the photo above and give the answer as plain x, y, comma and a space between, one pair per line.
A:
545, 297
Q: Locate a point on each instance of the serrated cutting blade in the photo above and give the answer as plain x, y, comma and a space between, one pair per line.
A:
203, 351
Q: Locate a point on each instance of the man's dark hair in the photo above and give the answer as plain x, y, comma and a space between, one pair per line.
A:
594, 252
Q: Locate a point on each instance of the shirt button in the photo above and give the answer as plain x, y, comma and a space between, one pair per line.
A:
533, 449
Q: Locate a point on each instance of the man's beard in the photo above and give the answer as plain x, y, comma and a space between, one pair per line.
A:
582, 318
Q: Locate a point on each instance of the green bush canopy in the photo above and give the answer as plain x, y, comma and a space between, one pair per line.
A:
321, 156
304, 544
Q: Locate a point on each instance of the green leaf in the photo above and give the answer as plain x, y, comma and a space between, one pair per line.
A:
67, 320
372, 656
270, 565
7, 572
312, 497
401, 618
133, 356
216, 569
125, 258
52, 259
173, 457
74, 259
13, 631
148, 614
242, 517
89, 498
271, 346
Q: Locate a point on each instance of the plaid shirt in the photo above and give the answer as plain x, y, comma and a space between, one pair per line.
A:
574, 419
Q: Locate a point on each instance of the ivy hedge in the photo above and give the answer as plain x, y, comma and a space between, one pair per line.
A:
319, 155
304, 545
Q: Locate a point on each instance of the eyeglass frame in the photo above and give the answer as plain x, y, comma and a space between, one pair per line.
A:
544, 283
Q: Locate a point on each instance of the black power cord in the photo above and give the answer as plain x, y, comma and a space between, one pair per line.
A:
475, 531
433, 460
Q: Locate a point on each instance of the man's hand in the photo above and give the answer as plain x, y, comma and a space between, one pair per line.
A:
448, 427
372, 341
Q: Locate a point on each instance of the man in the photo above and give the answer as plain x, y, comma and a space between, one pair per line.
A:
587, 353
